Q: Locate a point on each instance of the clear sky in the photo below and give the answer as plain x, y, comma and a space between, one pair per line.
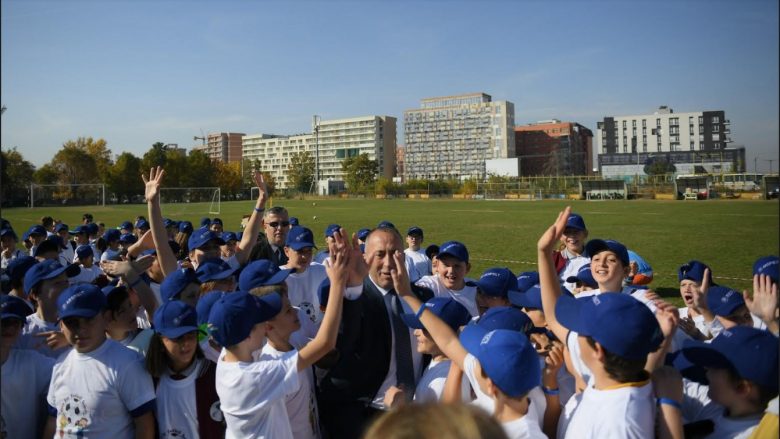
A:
139, 72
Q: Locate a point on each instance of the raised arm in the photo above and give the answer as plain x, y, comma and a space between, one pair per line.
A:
325, 340
548, 278
165, 255
442, 334
764, 302
254, 224
130, 273
144, 243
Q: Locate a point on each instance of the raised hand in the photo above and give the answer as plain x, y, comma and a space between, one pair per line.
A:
700, 294
358, 269
339, 268
668, 317
401, 282
764, 302
552, 235
153, 183
257, 177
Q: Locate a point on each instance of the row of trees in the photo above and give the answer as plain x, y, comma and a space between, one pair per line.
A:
87, 160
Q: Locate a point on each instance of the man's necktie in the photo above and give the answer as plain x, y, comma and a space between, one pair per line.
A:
404, 370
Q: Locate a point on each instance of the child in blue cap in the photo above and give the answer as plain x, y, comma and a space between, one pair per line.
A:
449, 280
25, 375
571, 255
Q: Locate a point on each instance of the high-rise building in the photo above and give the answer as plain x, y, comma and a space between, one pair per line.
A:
552, 147
223, 147
453, 136
330, 142
399, 160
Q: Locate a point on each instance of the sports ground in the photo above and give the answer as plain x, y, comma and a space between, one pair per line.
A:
729, 235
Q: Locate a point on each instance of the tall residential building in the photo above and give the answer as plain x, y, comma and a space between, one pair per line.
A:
399, 161
701, 138
334, 139
223, 147
552, 147
453, 136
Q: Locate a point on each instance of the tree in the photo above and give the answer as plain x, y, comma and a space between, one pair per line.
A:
17, 174
125, 177
156, 156
228, 177
176, 166
46, 174
300, 173
270, 183
199, 171
98, 150
359, 172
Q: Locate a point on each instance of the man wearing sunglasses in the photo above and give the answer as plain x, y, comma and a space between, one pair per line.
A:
276, 224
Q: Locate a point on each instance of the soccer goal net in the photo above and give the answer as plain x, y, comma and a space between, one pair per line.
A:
190, 200
50, 195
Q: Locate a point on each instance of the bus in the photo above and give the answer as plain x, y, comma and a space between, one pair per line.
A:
740, 182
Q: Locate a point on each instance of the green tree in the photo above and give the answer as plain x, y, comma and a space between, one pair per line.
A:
300, 173
359, 172
16, 174
46, 174
125, 177
155, 156
176, 166
98, 150
227, 176
199, 171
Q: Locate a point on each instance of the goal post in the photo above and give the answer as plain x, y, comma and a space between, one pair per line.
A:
191, 200
78, 194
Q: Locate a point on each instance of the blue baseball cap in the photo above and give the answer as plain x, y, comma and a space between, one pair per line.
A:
507, 357
7, 231
385, 225
527, 279
111, 235
83, 252
185, 227
362, 234
60, 227
323, 292
693, 270
455, 249
35, 230
167, 222
294, 221
12, 307
575, 221
596, 246
205, 221
128, 238
496, 282
768, 265
234, 315
448, 309
51, 243
240, 235
331, 229
126, 225
414, 230
174, 319
204, 305
531, 297
623, 325
92, 229
723, 301
142, 224
201, 237
174, 283
751, 353
45, 270
85, 300
18, 267
687, 369
79, 229
112, 288
585, 276
214, 269
299, 238
229, 236
216, 221
260, 273
505, 317
431, 251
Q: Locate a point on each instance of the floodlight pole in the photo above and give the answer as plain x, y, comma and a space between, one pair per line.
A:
316, 123
770, 164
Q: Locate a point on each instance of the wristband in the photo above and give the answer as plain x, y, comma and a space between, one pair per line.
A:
259, 209
420, 311
548, 391
669, 401
136, 282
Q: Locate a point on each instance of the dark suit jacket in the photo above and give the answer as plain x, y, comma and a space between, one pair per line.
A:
263, 250
364, 346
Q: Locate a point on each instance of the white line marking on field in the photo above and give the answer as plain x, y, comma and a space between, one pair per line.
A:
479, 211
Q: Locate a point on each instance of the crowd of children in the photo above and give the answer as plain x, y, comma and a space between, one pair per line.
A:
154, 328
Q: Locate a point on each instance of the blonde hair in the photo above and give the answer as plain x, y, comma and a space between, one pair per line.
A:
436, 421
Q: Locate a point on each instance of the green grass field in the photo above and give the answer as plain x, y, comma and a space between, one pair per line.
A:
728, 235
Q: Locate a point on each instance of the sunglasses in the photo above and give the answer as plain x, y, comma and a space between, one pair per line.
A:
276, 224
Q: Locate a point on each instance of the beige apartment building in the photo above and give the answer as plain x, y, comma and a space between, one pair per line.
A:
453, 136
223, 147
331, 141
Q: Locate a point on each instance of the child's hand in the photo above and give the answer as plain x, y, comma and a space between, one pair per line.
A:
688, 326
668, 317
153, 183
53, 339
553, 234
339, 268
394, 397
358, 269
700, 294
553, 361
764, 301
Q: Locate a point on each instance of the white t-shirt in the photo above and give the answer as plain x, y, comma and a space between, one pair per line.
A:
177, 413
419, 261
67, 254
431, 385
625, 412
252, 395
537, 403
95, 392
14, 254
208, 351
25, 378
302, 292
86, 275
109, 255
466, 297
696, 403
523, 428
28, 339
573, 265
731, 428
301, 405
138, 341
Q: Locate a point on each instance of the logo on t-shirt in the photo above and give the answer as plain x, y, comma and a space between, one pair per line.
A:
73, 416
173, 434
215, 411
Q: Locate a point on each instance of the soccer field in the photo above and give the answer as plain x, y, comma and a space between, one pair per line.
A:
727, 235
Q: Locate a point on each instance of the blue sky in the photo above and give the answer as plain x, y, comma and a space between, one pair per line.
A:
139, 72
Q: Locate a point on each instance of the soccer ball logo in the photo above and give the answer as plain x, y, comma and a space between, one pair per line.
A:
309, 310
174, 434
72, 416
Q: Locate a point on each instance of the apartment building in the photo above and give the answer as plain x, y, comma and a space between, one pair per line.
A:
223, 147
453, 136
552, 147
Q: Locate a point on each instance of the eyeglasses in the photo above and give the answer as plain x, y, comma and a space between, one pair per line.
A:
276, 224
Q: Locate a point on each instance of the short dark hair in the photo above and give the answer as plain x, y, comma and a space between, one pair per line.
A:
764, 394
620, 369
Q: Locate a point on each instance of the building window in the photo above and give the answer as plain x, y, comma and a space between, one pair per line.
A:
633, 132
633, 123
715, 128
658, 122
690, 128
644, 123
701, 120
624, 124
692, 145
715, 119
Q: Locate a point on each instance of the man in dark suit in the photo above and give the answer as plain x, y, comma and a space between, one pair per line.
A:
276, 224
376, 350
